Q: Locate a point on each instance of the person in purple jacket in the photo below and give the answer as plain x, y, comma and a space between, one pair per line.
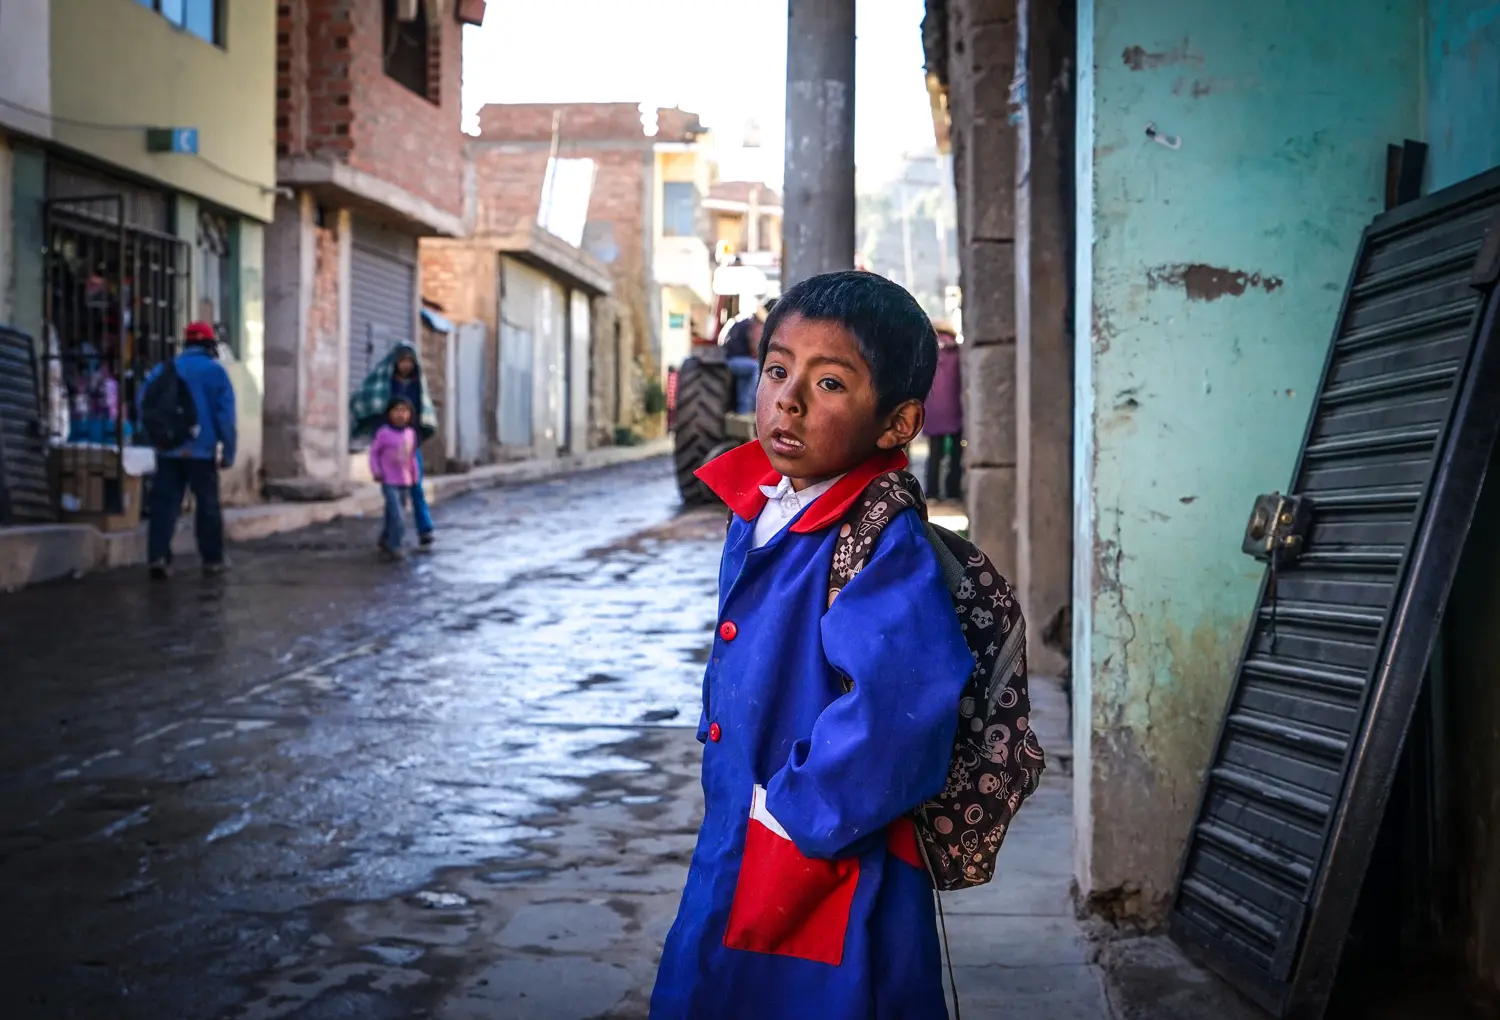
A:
806, 896
945, 418
393, 463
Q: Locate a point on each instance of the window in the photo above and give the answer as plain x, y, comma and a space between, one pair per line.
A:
203, 18
406, 45
679, 214
214, 284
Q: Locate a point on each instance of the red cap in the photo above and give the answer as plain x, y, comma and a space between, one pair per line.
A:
199, 332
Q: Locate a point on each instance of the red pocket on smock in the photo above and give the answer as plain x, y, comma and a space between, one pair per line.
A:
785, 903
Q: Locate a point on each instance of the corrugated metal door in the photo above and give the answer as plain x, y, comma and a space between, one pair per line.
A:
468, 389
1391, 465
25, 494
552, 357
517, 342
581, 330
382, 296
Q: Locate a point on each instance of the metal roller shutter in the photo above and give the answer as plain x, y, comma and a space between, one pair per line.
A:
25, 494
1391, 465
382, 296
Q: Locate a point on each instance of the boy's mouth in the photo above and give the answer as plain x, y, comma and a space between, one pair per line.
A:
786, 444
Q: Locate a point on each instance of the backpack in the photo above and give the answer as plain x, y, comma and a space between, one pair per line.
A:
997, 762
168, 415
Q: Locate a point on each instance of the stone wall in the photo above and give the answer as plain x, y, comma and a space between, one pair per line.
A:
980, 65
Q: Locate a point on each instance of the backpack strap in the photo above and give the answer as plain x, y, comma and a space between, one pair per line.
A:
885, 498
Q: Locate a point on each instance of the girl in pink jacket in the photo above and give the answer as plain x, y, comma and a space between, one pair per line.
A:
393, 462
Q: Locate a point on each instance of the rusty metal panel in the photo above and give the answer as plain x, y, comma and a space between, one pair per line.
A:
1391, 464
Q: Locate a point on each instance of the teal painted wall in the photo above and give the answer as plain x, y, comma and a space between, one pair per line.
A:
28, 238
1209, 280
1462, 39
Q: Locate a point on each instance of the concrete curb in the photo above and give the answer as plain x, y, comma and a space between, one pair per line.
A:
38, 553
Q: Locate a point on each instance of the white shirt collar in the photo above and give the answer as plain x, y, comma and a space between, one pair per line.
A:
792, 500
784, 503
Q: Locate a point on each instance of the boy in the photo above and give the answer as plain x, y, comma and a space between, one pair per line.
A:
806, 897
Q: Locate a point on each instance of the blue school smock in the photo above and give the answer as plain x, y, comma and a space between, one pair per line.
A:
806, 897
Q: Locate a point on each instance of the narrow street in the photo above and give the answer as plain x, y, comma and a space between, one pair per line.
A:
463, 786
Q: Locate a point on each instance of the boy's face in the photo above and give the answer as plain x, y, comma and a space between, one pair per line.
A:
816, 406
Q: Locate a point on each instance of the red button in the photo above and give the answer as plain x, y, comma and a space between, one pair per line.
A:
714, 733
728, 631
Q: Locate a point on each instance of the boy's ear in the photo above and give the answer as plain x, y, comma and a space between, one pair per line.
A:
903, 425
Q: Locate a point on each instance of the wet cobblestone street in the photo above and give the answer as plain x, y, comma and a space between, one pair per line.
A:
327, 787
462, 787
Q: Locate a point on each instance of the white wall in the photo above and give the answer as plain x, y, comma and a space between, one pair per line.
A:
25, 66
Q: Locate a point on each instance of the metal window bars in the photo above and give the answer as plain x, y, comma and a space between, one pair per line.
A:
115, 297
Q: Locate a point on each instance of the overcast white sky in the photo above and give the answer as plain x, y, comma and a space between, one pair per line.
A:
722, 59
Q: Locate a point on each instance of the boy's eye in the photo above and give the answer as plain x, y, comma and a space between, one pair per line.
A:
830, 384
775, 372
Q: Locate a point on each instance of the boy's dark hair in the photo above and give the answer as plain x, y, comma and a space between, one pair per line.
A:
894, 335
399, 402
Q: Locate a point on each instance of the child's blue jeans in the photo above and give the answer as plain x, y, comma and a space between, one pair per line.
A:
421, 514
394, 531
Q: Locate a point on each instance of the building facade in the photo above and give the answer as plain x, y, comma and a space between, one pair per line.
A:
369, 159
745, 225
530, 354
133, 200
1149, 311
645, 218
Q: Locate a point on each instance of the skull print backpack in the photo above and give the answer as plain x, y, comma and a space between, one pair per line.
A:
997, 762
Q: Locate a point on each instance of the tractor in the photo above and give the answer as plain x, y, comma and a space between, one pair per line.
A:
705, 424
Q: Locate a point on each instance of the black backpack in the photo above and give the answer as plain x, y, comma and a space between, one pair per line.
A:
997, 762
168, 415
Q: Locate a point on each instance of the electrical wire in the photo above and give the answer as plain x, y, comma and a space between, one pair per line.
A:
267, 189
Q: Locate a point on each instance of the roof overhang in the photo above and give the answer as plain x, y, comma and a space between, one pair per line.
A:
365, 193
550, 254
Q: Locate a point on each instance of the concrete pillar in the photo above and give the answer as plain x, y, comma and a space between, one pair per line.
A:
818, 231
288, 290
1044, 333
981, 66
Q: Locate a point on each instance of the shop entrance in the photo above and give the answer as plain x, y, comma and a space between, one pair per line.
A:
114, 301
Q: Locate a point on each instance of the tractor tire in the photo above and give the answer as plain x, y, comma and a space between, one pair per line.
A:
705, 396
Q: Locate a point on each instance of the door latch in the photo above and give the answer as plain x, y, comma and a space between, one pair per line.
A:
1278, 527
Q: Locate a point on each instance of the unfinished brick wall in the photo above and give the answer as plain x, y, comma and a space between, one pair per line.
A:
509, 188
532, 122
510, 161
451, 277
335, 101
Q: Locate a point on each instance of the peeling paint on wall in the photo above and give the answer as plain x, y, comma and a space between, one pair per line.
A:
1138, 58
1209, 283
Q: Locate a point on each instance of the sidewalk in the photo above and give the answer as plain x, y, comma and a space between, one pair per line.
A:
31, 555
573, 929
1018, 949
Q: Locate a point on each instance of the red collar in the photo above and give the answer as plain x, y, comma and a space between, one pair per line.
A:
737, 476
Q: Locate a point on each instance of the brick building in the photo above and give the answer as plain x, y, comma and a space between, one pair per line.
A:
644, 218
370, 158
532, 363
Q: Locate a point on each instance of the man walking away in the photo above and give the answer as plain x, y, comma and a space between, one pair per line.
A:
206, 444
945, 418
